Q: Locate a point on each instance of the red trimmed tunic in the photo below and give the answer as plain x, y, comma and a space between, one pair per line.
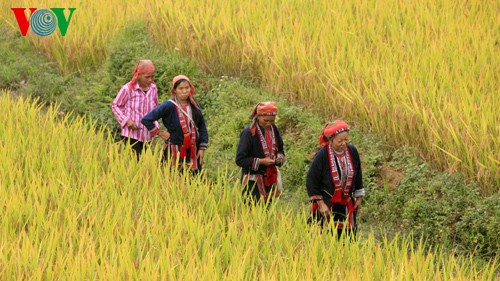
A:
338, 187
182, 132
250, 148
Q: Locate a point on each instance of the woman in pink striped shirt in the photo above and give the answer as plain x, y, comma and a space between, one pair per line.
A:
134, 100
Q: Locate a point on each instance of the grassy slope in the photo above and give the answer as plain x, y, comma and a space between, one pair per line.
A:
403, 193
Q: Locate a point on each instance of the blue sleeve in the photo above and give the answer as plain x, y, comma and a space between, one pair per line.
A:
203, 132
160, 111
244, 157
281, 148
314, 177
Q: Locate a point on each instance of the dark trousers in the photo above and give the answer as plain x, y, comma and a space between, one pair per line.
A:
251, 192
137, 146
317, 218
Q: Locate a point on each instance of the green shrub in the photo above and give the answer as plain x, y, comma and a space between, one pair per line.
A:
437, 206
479, 227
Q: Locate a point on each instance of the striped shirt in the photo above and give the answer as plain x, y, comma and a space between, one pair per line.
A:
133, 105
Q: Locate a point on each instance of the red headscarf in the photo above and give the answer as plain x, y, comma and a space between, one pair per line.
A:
191, 93
331, 130
143, 66
267, 108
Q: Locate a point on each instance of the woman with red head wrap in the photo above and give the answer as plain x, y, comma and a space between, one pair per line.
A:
186, 137
134, 100
334, 180
260, 152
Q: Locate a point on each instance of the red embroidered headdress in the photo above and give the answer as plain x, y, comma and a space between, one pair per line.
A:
267, 108
332, 129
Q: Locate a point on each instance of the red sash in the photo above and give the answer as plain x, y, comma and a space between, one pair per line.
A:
189, 141
270, 148
342, 188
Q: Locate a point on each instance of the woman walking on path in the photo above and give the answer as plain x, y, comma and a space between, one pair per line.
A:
260, 152
134, 100
186, 135
334, 181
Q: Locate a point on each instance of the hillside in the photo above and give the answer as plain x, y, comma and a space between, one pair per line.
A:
404, 194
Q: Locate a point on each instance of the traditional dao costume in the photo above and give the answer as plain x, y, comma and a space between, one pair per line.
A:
186, 125
335, 177
260, 181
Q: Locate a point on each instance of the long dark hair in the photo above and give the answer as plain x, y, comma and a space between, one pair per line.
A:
178, 82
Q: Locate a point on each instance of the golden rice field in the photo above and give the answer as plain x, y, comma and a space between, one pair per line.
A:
74, 208
417, 73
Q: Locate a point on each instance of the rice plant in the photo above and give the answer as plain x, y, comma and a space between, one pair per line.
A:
76, 205
421, 74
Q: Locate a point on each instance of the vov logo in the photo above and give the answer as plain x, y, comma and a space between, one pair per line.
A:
43, 22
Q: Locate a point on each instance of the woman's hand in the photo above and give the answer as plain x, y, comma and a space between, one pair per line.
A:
267, 161
131, 125
164, 135
280, 159
357, 205
323, 208
201, 156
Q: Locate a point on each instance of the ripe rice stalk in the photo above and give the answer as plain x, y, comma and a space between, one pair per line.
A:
224, 28
86, 214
